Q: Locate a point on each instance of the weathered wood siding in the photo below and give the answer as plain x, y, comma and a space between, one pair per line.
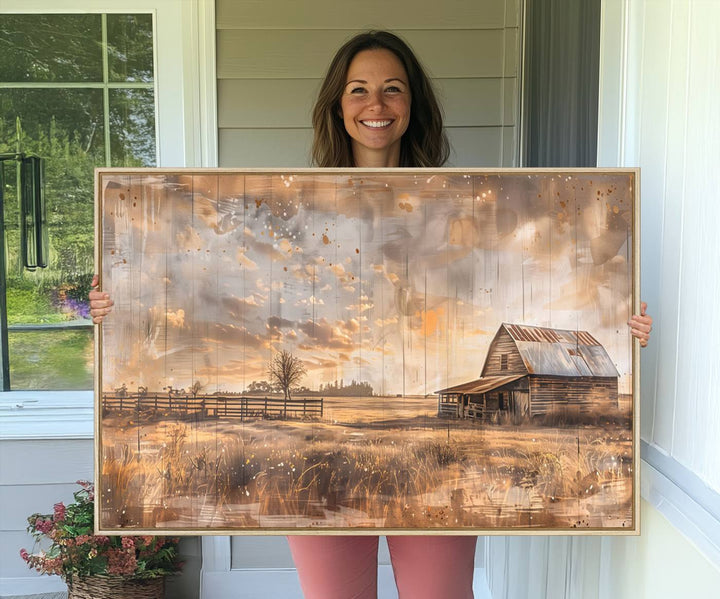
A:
576, 395
503, 344
485, 405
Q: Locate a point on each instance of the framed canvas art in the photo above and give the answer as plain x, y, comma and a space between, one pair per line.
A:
356, 351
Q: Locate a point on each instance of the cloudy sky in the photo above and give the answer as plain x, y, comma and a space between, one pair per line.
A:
400, 280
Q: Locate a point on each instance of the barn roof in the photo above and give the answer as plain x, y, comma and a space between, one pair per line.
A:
560, 352
482, 385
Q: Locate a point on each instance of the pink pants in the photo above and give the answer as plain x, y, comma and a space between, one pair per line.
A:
425, 567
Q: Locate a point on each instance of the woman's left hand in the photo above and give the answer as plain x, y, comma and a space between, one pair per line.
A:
641, 325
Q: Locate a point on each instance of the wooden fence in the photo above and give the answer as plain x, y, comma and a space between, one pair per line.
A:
212, 406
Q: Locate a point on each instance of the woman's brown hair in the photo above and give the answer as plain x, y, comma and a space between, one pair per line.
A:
423, 144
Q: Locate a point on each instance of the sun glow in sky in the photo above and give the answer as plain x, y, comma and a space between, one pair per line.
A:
401, 280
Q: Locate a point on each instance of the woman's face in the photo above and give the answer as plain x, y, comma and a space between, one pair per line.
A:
375, 107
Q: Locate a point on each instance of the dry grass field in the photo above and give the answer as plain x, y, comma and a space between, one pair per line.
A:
370, 463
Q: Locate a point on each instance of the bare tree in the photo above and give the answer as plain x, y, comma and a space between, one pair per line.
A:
286, 370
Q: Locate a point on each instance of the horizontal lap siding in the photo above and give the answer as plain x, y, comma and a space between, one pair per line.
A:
267, 147
503, 344
34, 475
334, 14
264, 54
271, 58
548, 394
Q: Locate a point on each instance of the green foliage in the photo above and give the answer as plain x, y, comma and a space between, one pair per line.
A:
66, 127
68, 193
50, 47
52, 359
26, 304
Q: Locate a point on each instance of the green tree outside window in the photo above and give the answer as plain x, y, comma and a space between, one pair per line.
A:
81, 87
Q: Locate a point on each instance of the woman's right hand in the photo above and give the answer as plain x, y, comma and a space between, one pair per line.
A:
100, 302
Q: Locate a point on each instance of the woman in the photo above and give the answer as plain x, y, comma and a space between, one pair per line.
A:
376, 108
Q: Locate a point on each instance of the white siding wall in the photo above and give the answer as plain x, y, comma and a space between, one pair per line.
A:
271, 57
673, 134
46, 445
660, 86
34, 475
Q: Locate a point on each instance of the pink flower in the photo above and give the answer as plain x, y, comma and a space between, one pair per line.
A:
53, 565
128, 542
72, 554
43, 526
121, 562
59, 512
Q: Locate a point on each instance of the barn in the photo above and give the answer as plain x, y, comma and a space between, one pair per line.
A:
532, 371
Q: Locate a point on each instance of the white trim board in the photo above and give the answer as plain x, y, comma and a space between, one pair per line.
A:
692, 508
46, 415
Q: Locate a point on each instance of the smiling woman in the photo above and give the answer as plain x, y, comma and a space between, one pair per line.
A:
375, 107
375, 78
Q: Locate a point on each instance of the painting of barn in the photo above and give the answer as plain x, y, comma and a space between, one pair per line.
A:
277, 338
535, 371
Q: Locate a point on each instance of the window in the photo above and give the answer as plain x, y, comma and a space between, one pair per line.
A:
77, 90
503, 361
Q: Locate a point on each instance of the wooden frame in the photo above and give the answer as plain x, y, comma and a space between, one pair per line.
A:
392, 351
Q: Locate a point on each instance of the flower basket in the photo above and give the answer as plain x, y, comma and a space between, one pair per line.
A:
98, 566
116, 587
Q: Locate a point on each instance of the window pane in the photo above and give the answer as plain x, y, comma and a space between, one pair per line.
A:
50, 48
65, 127
132, 127
130, 47
53, 359
49, 117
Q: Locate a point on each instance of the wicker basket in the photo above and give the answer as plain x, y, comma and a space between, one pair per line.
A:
116, 587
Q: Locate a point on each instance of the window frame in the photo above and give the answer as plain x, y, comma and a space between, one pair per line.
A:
186, 135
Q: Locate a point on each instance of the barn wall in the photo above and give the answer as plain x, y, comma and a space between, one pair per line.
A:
549, 393
503, 344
